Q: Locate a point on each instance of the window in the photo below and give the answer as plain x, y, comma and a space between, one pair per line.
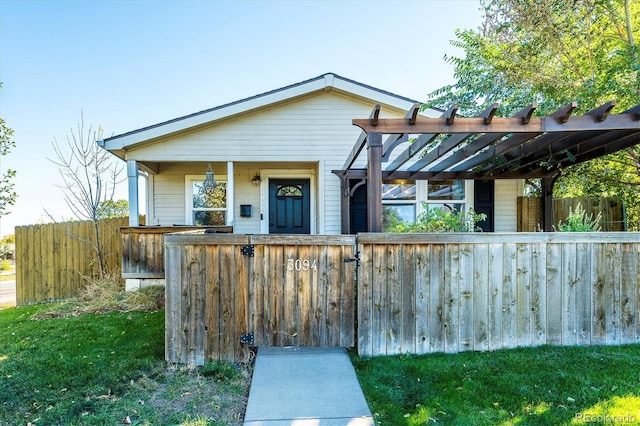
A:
447, 195
404, 201
398, 203
207, 208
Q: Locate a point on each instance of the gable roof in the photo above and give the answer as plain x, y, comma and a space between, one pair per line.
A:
324, 82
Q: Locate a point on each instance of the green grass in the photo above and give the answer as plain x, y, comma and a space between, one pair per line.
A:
533, 386
99, 369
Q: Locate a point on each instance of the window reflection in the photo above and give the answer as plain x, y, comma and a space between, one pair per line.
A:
446, 190
398, 191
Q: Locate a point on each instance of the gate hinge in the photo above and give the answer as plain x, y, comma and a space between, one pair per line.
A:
246, 338
356, 259
247, 250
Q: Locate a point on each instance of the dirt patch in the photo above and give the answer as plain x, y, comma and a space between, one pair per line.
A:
221, 399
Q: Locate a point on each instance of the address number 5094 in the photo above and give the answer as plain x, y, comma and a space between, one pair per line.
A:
301, 264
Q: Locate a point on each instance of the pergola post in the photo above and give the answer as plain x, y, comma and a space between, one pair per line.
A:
547, 204
374, 181
345, 204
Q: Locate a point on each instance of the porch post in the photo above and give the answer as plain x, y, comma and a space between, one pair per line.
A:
132, 181
374, 181
547, 204
231, 190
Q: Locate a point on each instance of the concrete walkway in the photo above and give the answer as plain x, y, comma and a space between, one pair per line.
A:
8, 293
305, 387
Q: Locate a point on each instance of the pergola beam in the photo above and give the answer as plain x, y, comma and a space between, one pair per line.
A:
499, 125
362, 139
484, 141
451, 142
558, 142
396, 139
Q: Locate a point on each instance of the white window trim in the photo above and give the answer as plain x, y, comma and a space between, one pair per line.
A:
188, 190
266, 174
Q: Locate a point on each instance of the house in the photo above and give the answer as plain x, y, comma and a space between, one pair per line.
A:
272, 157
285, 162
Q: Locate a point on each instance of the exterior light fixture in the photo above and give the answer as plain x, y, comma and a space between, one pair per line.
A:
256, 180
209, 183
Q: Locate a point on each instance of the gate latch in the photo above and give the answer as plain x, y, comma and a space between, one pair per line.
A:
246, 338
247, 250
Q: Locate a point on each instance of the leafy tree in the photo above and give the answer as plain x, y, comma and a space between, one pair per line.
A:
89, 176
7, 193
109, 209
553, 52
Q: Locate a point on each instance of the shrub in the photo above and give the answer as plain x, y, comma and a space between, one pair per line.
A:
439, 220
579, 221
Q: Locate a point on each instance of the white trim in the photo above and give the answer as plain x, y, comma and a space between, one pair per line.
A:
152, 219
134, 197
267, 174
231, 190
188, 195
321, 197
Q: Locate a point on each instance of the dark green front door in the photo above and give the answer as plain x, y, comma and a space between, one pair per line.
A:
289, 206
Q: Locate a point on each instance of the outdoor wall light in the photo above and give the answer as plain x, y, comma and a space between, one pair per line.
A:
209, 182
256, 180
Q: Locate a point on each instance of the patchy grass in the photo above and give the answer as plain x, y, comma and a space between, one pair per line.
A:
107, 368
541, 386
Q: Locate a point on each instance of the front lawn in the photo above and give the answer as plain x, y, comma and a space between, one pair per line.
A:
541, 386
100, 369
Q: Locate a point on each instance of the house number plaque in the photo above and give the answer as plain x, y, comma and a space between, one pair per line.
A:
301, 264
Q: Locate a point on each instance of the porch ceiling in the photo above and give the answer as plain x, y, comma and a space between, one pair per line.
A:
489, 147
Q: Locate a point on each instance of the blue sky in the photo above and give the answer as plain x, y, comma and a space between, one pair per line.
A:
129, 64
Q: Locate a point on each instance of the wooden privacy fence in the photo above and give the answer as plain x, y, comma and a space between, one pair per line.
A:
225, 293
51, 259
423, 293
143, 248
530, 214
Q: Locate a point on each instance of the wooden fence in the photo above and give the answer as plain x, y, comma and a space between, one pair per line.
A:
530, 214
143, 248
52, 259
225, 293
423, 293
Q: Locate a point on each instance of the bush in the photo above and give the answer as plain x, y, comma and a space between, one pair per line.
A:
5, 265
579, 221
439, 220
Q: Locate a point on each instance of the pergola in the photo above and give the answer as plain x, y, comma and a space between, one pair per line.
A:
481, 148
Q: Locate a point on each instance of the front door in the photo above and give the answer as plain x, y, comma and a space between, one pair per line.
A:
289, 206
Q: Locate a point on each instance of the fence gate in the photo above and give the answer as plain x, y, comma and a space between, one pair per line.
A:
226, 293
